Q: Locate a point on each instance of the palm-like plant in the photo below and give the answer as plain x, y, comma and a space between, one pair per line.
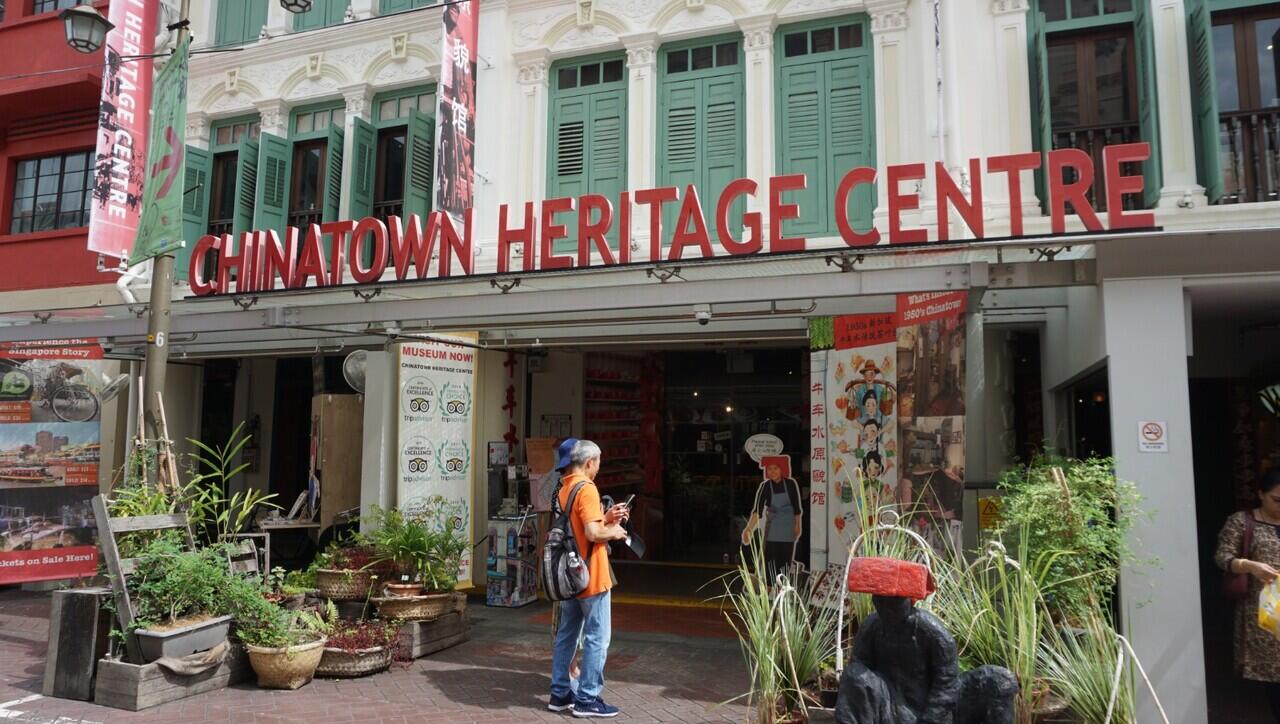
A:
209, 506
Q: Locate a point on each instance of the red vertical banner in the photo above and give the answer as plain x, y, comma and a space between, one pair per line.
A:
123, 124
455, 117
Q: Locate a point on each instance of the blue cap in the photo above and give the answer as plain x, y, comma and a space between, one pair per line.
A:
562, 452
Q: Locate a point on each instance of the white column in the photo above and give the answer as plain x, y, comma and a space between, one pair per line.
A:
1146, 343
279, 20
204, 20
198, 130
530, 128
889, 35
275, 117
1012, 117
377, 465
1173, 81
642, 123
361, 9
757, 32
359, 99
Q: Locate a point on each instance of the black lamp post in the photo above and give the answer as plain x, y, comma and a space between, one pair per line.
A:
85, 28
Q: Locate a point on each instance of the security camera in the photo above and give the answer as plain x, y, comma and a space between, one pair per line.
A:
702, 313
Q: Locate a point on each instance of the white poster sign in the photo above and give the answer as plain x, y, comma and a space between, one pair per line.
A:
1153, 436
436, 446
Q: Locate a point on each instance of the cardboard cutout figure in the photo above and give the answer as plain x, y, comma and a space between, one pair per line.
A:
777, 502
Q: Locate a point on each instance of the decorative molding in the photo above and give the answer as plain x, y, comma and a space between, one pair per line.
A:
586, 13
695, 4
232, 82
1010, 7
400, 46
315, 62
359, 98
643, 56
197, 126
757, 31
274, 115
532, 67
891, 21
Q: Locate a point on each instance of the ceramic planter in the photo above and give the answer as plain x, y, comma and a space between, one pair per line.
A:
178, 642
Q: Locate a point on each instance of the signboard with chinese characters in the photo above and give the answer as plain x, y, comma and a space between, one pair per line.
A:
436, 451
50, 428
455, 125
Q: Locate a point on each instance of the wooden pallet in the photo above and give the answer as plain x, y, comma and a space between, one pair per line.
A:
427, 637
135, 687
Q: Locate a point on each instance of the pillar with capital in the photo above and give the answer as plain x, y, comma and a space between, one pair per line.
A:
642, 121
198, 130
757, 40
532, 127
274, 115
359, 101
1010, 128
1173, 81
889, 23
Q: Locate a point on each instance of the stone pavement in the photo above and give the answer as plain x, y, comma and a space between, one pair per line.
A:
665, 665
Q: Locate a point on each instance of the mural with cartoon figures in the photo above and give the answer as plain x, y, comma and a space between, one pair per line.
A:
887, 394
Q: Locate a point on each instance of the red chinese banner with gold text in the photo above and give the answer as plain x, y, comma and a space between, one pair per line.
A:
123, 124
50, 429
456, 116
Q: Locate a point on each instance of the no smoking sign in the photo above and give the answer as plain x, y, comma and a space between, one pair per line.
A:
1153, 436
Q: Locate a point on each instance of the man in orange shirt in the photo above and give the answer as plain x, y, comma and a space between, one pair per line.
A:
588, 615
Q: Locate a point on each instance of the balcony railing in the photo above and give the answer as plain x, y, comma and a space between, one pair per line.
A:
1092, 140
303, 219
1249, 146
383, 209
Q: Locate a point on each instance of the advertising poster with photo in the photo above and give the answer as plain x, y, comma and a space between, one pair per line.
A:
50, 433
931, 374
860, 435
436, 432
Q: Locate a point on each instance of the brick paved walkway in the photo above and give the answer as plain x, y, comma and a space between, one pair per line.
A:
656, 673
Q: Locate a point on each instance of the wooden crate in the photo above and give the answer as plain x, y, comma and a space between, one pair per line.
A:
427, 637
79, 630
136, 687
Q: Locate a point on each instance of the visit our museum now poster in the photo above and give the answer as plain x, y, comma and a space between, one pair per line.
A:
50, 429
436, 431
887, 416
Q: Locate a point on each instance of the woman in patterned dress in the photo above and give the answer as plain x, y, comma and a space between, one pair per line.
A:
1257, 652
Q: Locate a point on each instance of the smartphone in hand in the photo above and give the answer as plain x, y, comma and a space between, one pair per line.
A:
629, 499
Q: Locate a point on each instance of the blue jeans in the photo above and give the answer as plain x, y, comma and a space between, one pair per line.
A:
591, 618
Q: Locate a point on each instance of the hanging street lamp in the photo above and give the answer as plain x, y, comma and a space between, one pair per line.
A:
85, 28
296, 6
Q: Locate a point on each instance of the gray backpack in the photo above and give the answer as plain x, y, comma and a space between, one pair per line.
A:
565, 573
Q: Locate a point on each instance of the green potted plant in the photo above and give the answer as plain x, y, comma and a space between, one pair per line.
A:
346, 571
177, 599
359, 648
405, 546
425, 545
285, 647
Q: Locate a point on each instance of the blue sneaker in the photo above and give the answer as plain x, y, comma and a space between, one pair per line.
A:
560, 703
596, 709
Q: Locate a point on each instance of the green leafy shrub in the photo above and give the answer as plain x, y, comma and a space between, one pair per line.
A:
1077, 512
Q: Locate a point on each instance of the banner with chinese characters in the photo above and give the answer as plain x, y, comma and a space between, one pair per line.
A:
456, 115
160, 230
887, 418
436, 431
119, 167
50, 430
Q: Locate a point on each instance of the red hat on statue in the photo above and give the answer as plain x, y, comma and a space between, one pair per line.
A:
782, 461
890, 577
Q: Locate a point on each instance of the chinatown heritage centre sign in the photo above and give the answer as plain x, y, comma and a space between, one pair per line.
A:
318, 255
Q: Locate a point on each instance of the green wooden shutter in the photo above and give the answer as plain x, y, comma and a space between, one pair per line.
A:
365, 141
274, 161
1148, 99
850, 138
195, 205
1204, 98
419, 166
239, 21
804, 149
246, 186
1041, 119
678, 131
725, 143
333, 175
322, 14
386, 7
570, 117
606, 150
